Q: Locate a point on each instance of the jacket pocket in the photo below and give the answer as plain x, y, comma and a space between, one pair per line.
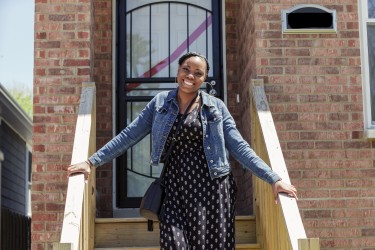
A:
215, 126
214, 117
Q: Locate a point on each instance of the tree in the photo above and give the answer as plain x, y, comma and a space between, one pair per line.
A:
24, 99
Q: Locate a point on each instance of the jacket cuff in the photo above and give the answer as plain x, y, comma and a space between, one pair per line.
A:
272, 178
95, 162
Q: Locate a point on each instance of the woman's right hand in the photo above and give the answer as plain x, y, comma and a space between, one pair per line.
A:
82, 167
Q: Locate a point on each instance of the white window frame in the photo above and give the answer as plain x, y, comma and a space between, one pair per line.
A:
364, 20
28, 209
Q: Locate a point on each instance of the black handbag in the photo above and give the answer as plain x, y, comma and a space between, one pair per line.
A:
152, 200
154, 197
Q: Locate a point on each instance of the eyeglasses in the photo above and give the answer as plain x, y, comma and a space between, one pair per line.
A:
197, 74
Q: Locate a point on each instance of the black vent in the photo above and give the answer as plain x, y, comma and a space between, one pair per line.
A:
306, 19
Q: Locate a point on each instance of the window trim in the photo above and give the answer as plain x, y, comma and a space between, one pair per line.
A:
369, 129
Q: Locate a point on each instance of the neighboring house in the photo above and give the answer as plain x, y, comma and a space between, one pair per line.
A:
15, 144
318, 72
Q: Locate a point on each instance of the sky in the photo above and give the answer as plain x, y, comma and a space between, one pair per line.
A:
17, 44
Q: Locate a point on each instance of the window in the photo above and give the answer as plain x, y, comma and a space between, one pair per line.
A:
367, 29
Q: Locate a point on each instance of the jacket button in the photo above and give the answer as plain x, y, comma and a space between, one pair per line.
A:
215, 173
211, 161
208, 147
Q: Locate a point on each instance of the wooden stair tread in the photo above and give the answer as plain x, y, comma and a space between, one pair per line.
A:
248, 246
131, 233
139, 219
128, 248
238, 246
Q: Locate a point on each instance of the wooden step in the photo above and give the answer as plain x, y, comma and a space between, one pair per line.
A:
129, 248
253, 246
238, 246
131, 233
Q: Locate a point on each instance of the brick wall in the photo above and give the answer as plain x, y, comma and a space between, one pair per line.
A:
62, 61
314, 87
103, 80
234, 87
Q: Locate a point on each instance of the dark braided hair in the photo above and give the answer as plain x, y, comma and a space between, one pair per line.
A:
191, 54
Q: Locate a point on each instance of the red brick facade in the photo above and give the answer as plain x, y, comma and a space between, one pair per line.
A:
244, 202
313, 84
63, 59
103, 80
314, 87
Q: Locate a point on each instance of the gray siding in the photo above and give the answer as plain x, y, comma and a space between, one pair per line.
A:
14, 169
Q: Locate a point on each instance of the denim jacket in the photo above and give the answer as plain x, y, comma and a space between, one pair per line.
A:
219, 136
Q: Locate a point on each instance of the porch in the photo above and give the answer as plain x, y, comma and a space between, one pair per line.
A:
274, 227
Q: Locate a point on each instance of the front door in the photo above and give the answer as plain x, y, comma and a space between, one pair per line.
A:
152, 35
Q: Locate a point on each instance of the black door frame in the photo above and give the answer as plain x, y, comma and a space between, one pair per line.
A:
122, 201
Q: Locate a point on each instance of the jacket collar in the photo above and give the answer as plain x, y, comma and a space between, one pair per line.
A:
206, 99
172, 95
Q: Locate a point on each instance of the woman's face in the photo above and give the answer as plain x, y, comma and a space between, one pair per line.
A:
191, 74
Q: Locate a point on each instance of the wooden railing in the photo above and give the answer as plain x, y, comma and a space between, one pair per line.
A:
79, 215
279, 227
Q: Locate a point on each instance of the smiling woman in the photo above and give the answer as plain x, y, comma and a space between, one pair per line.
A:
191, 135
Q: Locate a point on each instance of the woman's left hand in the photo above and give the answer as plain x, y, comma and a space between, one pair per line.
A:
82, 167
282, 187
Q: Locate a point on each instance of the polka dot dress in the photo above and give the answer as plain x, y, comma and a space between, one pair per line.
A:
198, 212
